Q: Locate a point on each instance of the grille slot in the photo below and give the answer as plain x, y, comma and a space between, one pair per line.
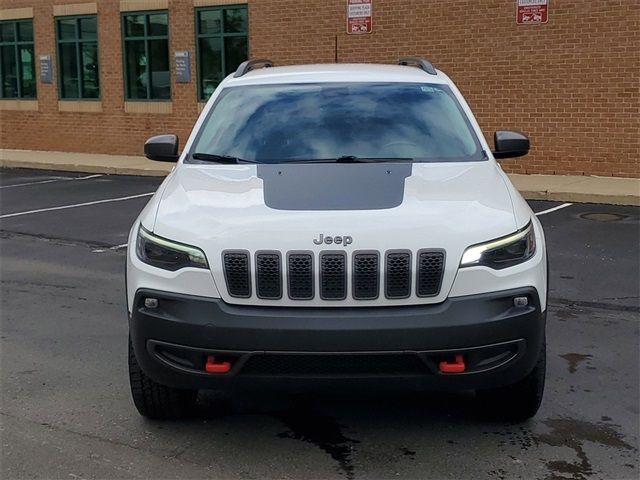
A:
398, 275
366, 275
430, 271
334, 364
268, 275
237, 275
333, 276
300, 276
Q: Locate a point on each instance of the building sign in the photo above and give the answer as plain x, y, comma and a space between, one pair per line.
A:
183, 66
45, 68
532, 12
359, 16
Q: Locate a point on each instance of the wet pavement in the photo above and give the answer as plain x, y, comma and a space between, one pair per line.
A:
66, 410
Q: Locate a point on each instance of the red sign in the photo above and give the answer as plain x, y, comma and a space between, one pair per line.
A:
359, 16
532, 12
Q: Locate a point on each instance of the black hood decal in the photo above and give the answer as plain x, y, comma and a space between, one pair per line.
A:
331, 186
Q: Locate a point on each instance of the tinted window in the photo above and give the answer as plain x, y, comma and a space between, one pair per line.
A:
78, 57
146, 52
222, 45
17, 60
302, 122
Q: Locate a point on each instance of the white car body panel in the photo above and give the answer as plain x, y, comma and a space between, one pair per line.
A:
447, 206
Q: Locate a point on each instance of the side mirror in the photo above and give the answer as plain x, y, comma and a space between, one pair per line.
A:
163, 148
510, 144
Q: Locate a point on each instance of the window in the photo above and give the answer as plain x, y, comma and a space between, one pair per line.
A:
78, 57
146, 56
221, 45
17, 60
302, 122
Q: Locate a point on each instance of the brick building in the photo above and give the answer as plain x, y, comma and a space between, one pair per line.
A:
572, 84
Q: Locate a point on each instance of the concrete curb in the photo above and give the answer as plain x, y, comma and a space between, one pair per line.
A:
560, 188
72, 167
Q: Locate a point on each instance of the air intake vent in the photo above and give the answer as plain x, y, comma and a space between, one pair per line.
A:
398, 275
430, 270
300, 276
334, 364
236, 272
365, 275
268, 275
333, 276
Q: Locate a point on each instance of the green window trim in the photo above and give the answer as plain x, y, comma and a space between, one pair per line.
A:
77, 43
226, 34
21, 48
146, 81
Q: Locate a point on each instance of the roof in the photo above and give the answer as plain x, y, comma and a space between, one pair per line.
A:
337, 72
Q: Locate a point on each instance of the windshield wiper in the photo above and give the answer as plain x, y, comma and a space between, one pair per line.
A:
212, 157
351, 159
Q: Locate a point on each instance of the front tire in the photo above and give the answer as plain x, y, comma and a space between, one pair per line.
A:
520, 401
154, 400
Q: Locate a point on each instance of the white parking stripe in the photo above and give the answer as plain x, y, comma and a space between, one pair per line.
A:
544, 212
85, 204
55, 179
118, 247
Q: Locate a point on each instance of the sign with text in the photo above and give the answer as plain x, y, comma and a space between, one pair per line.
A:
532, 12
183, 66
45, 68
359, 16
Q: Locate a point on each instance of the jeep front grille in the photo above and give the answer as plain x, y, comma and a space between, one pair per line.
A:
366, 273
398, 276
268, 275
430, 269
236, 273
371, 274
300, 276
333, 276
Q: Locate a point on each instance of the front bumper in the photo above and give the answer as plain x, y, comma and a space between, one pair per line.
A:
500, 342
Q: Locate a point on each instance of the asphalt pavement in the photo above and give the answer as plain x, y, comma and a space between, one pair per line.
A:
66, 410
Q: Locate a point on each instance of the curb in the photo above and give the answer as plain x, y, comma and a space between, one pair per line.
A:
574, 197
71, 167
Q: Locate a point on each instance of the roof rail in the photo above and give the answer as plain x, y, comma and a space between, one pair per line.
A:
419, 62
248, 65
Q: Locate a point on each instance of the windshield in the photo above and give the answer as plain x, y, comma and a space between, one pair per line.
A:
305, 122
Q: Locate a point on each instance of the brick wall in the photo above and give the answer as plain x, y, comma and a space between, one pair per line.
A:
573, 84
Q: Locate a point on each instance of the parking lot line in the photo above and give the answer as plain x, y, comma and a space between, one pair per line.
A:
75, 205
549, 210
56, 179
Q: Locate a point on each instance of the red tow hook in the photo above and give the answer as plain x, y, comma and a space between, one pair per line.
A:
213, 366
457, 366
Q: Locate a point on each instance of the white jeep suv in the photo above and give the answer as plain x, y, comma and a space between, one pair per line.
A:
337, 223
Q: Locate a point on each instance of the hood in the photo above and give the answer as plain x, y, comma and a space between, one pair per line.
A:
380, 206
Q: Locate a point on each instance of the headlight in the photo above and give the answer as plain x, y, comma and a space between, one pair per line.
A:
168, 255
503, 252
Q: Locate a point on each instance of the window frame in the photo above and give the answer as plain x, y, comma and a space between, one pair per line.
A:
77, 41
146, 38
16, 43
222, 35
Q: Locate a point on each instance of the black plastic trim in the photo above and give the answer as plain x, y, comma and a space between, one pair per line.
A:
257, 274
249, 276
248, 65
313, 274
345, 276
386, 274
353, 273
444, 263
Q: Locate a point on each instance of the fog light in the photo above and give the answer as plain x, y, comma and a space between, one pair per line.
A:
151, 302
520, 301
